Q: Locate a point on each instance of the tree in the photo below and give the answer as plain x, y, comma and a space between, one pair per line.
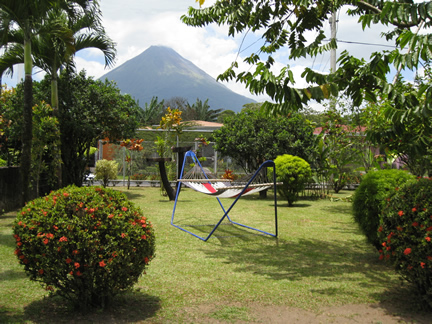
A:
286, 23
27, 15
90, 110
224, 114
407, 137
63, 36
152, 113
251, 137
201, 111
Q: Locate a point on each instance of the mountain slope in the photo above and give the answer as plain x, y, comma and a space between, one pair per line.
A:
162, 72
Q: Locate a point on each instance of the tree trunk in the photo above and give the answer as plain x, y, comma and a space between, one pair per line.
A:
27, 131
55, 106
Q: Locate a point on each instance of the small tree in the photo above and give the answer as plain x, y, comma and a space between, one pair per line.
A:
293, 172
105, 171
131, 145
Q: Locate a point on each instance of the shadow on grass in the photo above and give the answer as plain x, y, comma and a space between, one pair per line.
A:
321, 261
7, 240
130, 307
12, 275
132, 195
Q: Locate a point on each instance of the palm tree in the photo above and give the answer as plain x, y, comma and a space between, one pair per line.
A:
203, 111
61, 38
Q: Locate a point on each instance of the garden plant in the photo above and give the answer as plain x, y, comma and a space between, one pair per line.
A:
106, 170
370, 199
293, 172
85, 244
405, 234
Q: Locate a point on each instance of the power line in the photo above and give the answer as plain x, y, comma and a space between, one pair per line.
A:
361, 43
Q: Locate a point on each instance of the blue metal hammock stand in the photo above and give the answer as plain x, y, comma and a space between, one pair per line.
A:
237, 197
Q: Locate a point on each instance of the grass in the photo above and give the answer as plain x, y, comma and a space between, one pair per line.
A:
320, 259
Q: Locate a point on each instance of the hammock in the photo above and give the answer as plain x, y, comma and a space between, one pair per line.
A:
199, 180
223, 189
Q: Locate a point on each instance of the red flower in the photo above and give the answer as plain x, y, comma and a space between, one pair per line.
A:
68, 260
380, 229
429, 258
429, 229
102, 264
414, 210
76, 265
399, 228
146, 260
123, 235
124, 208
110, 216
78, 273
400, 213
427, 238
41, 271
407, 251
46, 241
381, 256
415, 224
422, 264
65, 194
75, 252
63, 239
143, 237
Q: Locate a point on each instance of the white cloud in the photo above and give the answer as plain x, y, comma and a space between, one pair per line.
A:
136, 25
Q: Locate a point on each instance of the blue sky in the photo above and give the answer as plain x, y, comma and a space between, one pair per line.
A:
136, 25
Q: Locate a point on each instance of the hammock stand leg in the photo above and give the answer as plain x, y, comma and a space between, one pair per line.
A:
196, 161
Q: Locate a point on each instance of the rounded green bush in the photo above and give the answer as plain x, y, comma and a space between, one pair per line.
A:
369, 199
405, 233
106, 170
293, 172
85, 244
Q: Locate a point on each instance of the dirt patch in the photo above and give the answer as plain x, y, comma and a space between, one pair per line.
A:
256, 313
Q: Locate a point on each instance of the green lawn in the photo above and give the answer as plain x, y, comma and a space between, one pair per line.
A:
320, 259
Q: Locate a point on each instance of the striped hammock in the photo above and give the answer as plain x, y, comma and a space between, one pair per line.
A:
224, 188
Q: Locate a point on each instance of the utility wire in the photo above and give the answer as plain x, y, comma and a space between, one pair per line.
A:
361, 43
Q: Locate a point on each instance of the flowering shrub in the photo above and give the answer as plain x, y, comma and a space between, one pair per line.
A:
138, 176
85, 244
406, 234
371, 197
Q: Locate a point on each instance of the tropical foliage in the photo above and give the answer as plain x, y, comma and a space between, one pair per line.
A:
251, 137
85, 244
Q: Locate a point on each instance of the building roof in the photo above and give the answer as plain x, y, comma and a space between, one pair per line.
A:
358, 129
